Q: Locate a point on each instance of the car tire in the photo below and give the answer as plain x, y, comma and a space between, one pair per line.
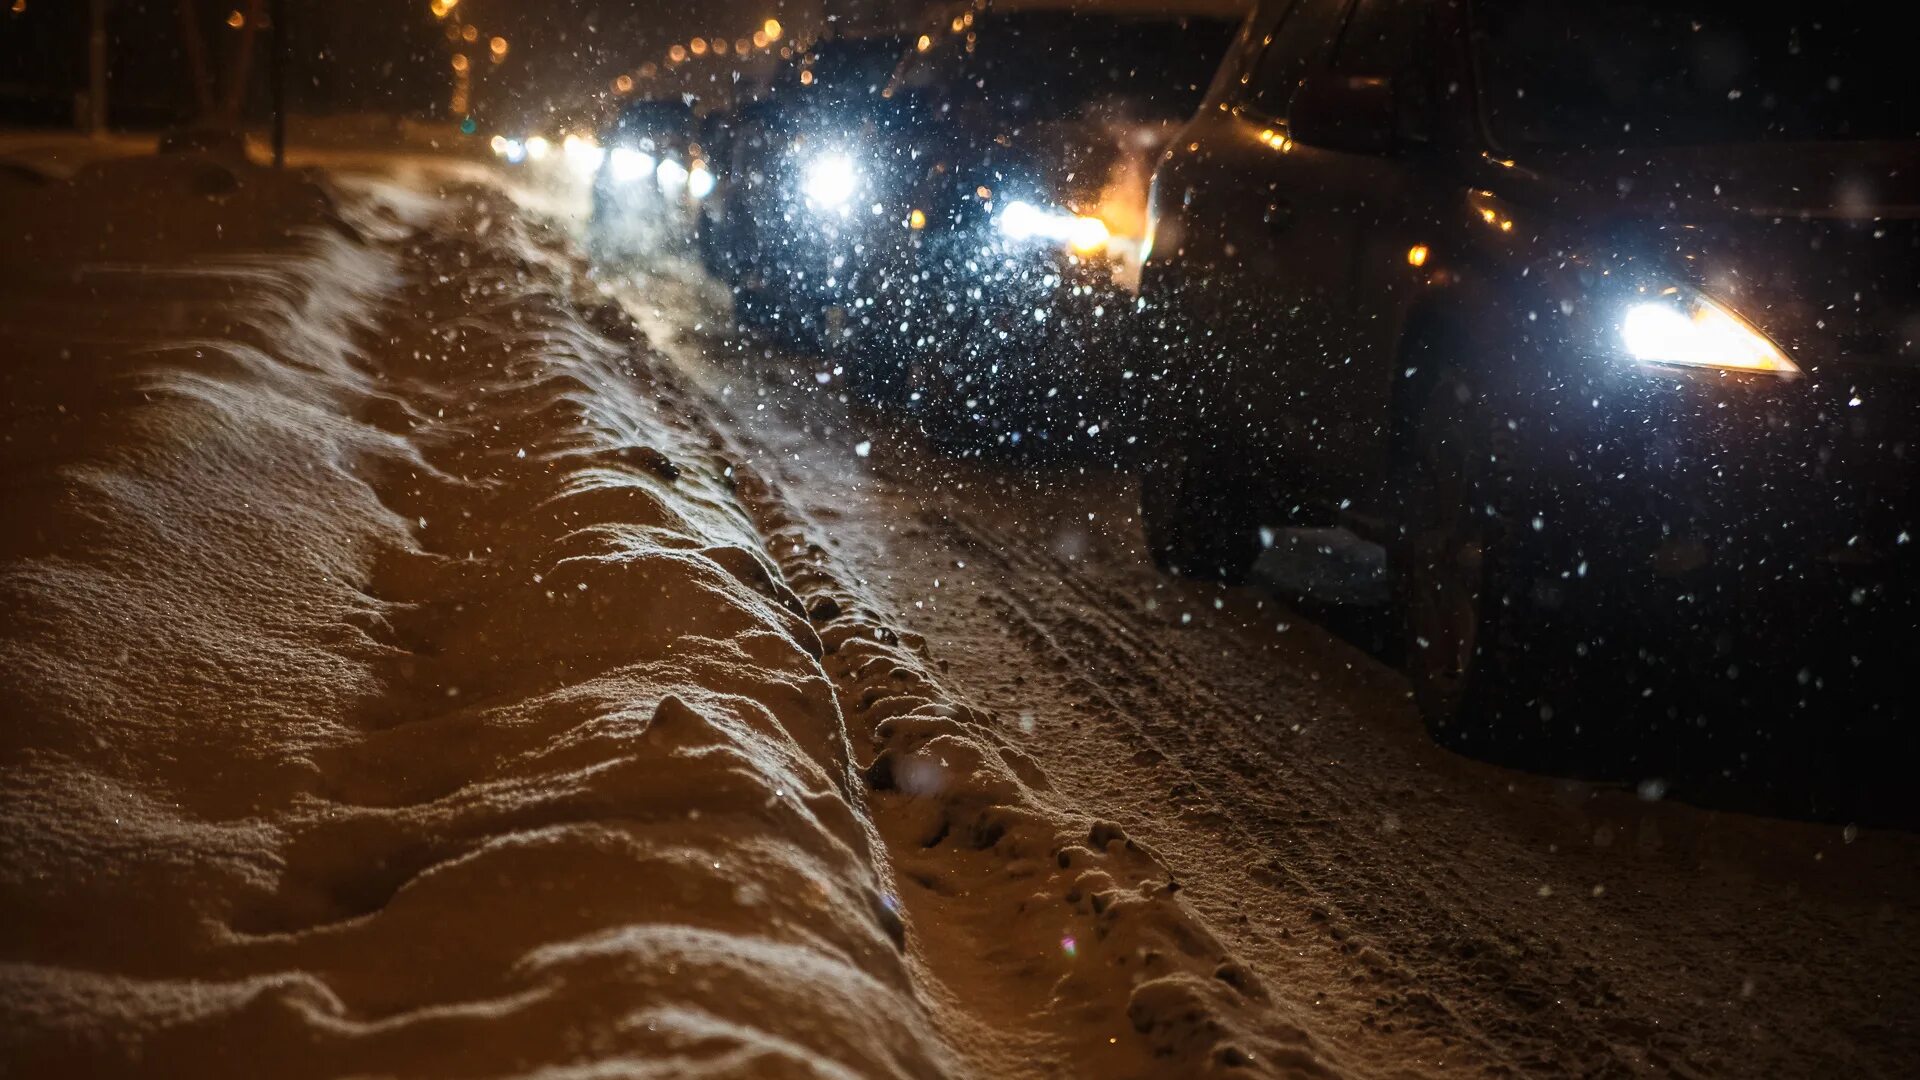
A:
1197, 518
1491, 673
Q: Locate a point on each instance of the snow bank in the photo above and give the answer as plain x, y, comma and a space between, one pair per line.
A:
393, 682
398, 683
1061, 945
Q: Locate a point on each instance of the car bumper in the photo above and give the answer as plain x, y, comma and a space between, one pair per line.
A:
1025, 343
1747, 508
817, 260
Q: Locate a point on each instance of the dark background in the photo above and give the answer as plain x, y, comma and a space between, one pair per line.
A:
373, 56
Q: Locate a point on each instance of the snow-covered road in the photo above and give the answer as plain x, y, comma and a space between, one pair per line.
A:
420, 661
1417, 912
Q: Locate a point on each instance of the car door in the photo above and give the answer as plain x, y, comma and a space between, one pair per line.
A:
1252, 249
1364, 238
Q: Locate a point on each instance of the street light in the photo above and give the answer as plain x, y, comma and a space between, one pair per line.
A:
772, 29
443, 8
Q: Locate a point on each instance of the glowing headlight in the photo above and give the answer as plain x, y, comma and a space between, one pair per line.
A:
700, 182
671, 173
1685, 329
628, 165
1024, 221
582, 154
538, 148
1088, 234
830, 181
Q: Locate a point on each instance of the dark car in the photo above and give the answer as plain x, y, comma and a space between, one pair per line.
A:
801, 182
650, 176
1035, 130
1603, 319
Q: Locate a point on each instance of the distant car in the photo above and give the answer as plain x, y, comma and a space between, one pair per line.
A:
650, 176
1604, 319
802, 179
1011, 268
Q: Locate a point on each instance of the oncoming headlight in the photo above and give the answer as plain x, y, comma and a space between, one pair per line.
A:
627, 165
513, 150
1021, 220
582, 154
700, 181
1681, 328
830, 181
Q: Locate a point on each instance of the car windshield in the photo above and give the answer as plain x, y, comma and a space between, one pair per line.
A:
1042, 65
1571, 73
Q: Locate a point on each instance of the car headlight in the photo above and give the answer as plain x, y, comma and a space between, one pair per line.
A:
830, 181
671, 173
627, 165
700, 180
1020, 220
1679, 327
513, 150
582, 154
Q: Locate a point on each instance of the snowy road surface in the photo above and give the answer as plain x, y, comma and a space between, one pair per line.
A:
418, 664
1418, 912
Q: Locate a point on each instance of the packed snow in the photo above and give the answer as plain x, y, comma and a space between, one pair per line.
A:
396, 684
405, 676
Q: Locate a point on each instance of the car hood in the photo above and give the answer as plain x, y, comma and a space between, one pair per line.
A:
1818, 244
1827, 180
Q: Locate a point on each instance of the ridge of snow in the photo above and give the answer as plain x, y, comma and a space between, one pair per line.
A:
395, 686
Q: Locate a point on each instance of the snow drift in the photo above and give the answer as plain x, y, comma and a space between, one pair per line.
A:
401, 679
393, 683
1059, 937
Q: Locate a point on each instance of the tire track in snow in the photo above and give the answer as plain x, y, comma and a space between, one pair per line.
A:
1435, 930
1128, 683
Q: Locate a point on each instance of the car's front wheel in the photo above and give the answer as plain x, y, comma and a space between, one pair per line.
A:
1493, 674
1197, 517
1452, 558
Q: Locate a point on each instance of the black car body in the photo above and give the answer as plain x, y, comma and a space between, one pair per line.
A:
801, 181
1603, 319
1034, 130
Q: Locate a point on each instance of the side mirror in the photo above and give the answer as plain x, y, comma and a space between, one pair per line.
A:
1350, 113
